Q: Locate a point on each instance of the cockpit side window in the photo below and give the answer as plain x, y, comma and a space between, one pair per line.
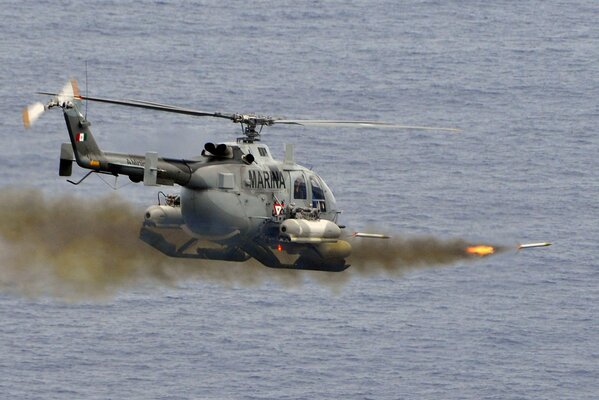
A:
299, 188
318, 200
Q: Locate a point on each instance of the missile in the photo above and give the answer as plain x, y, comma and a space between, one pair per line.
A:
370, 235
531, 245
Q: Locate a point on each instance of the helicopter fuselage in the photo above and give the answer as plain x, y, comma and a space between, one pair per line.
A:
226, 197
251, 205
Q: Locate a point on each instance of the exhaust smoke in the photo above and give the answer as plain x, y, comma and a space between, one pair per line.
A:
400, 254
70, 247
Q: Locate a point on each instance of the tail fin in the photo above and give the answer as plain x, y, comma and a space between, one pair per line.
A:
86, 150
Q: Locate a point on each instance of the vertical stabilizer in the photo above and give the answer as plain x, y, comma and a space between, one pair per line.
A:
86, 150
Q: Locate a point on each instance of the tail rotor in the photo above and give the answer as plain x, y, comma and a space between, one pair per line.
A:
32, 112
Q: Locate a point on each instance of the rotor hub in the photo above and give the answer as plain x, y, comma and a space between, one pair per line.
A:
252, 125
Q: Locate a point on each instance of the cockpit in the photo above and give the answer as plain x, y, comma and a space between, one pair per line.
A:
299, 189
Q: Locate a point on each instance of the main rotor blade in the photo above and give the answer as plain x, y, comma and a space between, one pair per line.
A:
250, 119
361, 124
154, 106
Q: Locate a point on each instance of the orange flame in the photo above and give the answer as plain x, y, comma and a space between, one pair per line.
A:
480, 250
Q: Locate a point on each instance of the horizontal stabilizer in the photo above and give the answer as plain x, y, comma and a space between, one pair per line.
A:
66, 160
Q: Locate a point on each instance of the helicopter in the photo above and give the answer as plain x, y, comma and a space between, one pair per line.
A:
236, 201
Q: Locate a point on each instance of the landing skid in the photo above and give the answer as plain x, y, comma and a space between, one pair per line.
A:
174, 242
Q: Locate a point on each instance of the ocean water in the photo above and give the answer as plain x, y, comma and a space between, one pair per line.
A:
521, 79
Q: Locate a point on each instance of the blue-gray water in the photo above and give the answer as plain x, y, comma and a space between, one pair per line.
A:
521, 79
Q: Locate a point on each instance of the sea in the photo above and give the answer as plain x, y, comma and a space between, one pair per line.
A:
520, 79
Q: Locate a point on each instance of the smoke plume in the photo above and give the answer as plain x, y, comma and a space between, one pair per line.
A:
401, 254
71, 247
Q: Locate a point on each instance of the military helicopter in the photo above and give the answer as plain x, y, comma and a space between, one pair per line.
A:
236, 201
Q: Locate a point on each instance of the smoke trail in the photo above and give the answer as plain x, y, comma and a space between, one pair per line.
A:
71, 247
400, 254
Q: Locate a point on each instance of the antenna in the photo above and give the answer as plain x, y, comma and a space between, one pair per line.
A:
86, 102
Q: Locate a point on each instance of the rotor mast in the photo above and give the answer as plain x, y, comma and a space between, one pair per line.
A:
251, 126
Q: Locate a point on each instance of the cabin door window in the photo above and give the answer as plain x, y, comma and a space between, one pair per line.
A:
318, 200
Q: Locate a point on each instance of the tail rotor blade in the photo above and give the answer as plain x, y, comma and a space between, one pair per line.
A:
68, 92
32, 112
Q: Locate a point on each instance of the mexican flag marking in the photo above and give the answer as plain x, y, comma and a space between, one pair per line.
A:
81, 137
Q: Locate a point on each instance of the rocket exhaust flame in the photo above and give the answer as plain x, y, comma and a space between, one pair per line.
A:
481, 250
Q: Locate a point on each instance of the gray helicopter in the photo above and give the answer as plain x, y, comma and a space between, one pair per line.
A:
236, 201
